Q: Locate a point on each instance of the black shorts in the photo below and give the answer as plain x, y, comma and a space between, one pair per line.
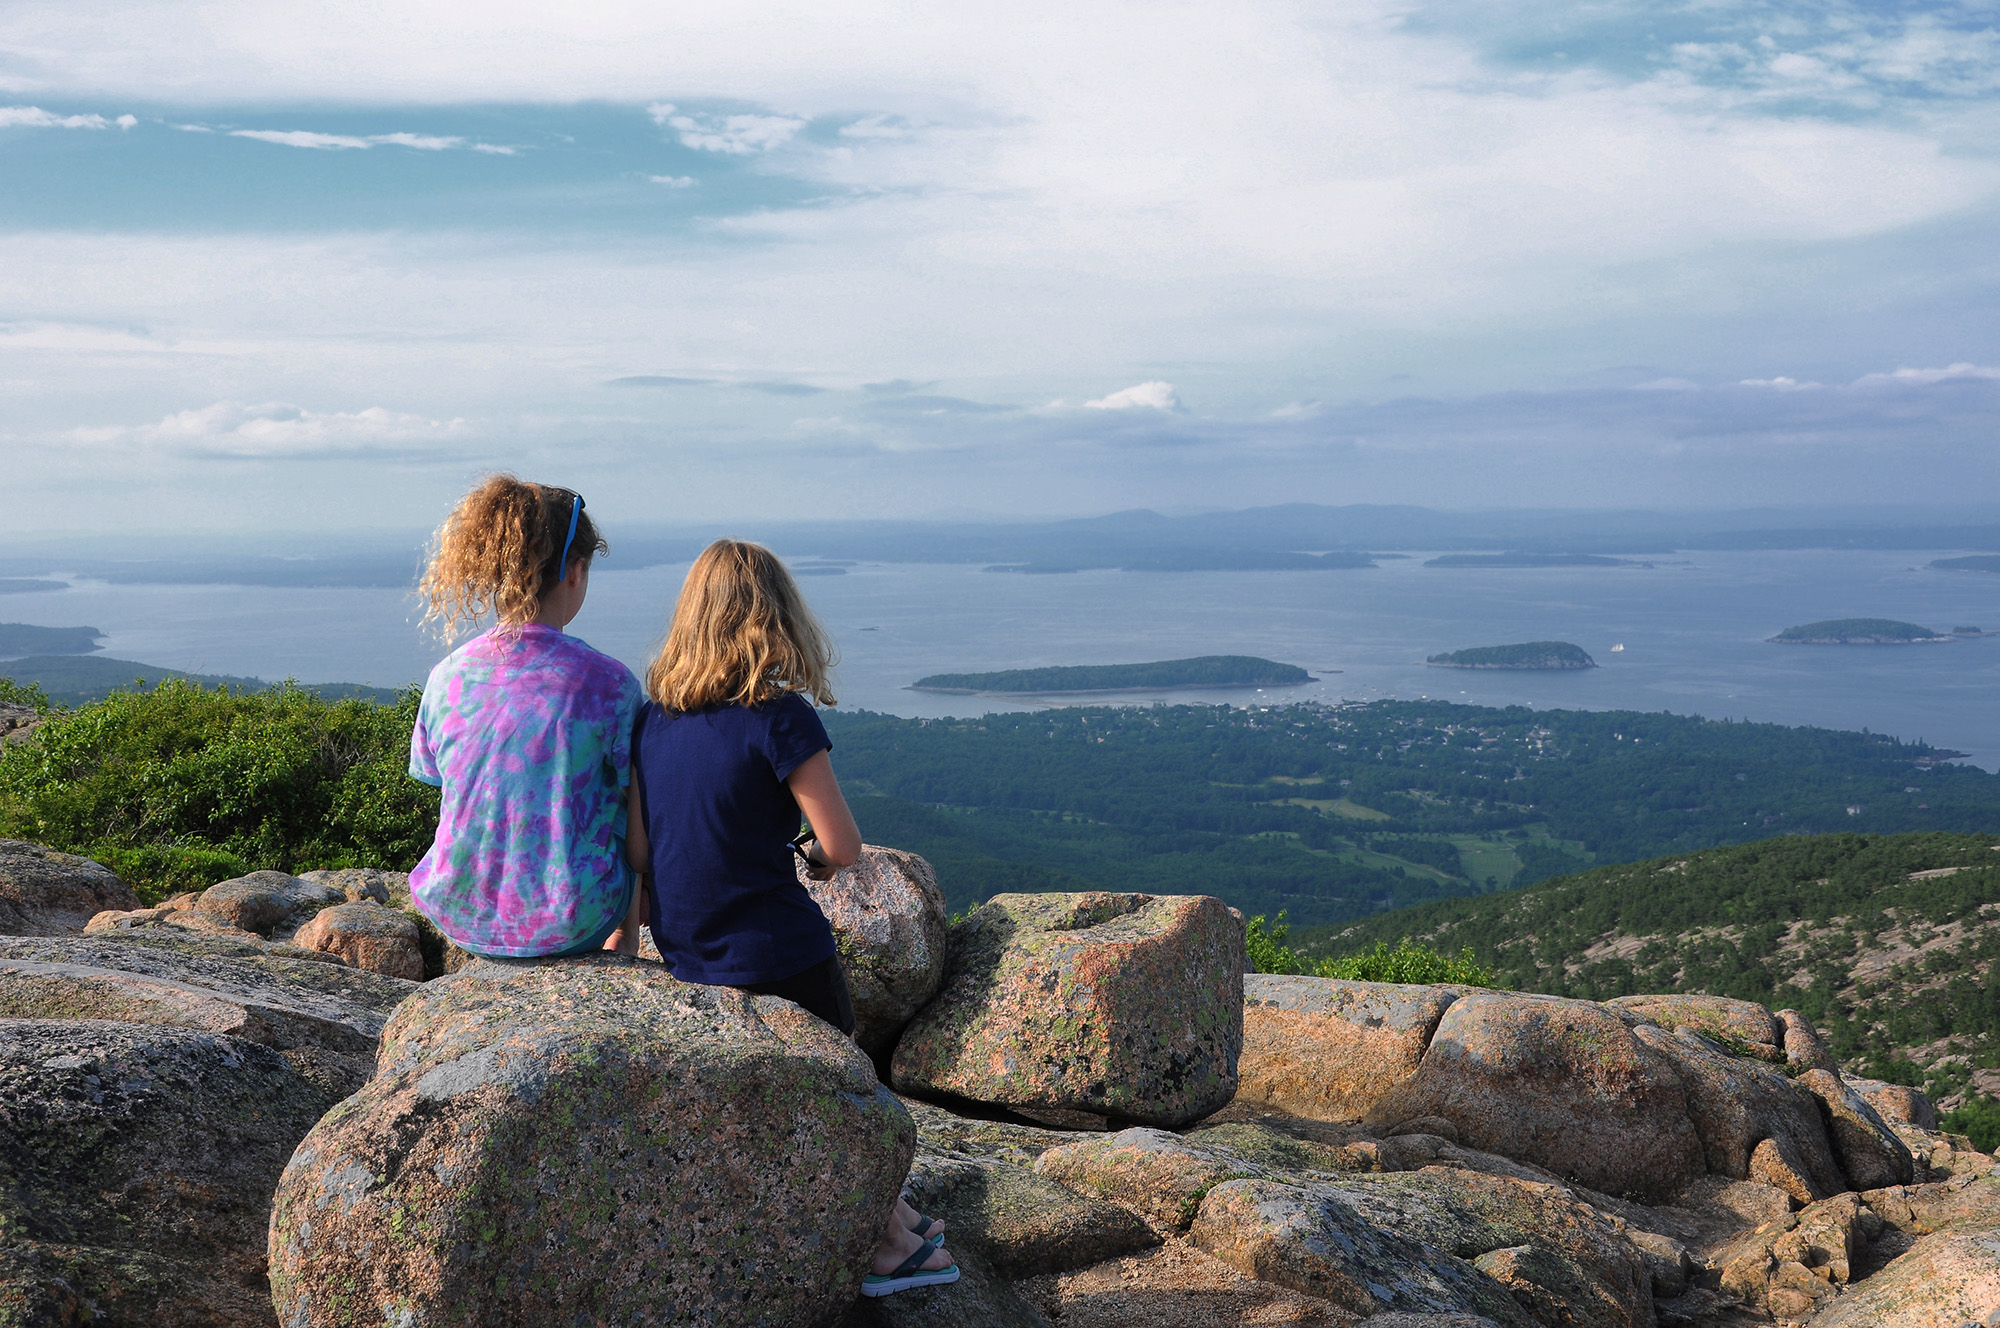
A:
820, 990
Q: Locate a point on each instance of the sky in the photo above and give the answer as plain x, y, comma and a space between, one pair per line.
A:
273, 267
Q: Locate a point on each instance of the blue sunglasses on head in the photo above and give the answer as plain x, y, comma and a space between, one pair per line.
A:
575, 511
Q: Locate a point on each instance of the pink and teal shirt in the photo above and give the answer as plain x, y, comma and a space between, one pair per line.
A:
529, 734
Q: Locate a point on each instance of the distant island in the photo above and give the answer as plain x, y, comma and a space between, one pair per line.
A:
70, 680
15, 585
1202, 671
1857, 632
1531, 560
28, 639
1978, 562
1195, 560
1527, 655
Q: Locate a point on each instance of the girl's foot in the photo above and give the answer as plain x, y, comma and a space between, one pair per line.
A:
910, 1218
904, 1261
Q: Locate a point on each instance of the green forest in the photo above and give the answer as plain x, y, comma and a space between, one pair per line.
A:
1886, 942
1526, 655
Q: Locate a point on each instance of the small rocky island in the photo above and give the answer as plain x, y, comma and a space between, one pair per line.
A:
28, 639
1201, 671
1544, 655
1857, 632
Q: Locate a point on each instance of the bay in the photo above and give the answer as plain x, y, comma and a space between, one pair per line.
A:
1693, 627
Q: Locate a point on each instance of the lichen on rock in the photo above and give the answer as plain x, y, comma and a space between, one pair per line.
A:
1125, 1005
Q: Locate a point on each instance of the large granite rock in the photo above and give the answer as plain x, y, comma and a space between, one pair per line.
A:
576, 1140
1330, 1049
322, 1018
1896, 1104
1947, 1280
1125, 1005
1754, 1123
368, 937
1744, 1028
888, 918
271, 904
1588, 1264
1156, 1175
1314, 1242
136, 1170
46, 893
1560, 1083
1869, 1151
1792, 1265
1021, 1222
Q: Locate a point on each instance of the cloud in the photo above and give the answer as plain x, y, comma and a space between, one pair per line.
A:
922, 404
307, 138
738, 134
34, 117
782, 389
675, 181
280, 431
1926, 376
1780, 384
896, 387
1154, 395
657, 380
1667, 385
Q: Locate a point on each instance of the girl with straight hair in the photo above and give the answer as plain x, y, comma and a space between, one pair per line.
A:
729, 752
527, 731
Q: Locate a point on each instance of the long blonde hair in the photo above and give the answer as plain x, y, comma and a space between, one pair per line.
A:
741, 635
496, 553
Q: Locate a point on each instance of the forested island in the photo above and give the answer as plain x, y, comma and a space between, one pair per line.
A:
1978, 562
28, 639
1531, 560
1857, 632
1527, 655
1201, 671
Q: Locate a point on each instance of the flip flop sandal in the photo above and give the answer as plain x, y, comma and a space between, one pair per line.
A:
925, 1227
911, 1273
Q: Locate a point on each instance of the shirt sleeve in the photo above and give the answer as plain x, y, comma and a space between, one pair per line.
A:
795, 735
423, 757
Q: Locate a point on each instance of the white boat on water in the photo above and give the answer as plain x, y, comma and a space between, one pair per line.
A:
1615, 649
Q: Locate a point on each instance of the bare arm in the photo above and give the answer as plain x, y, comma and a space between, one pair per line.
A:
639, 857
837, 840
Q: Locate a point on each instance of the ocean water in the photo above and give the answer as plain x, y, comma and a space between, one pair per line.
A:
1693, 629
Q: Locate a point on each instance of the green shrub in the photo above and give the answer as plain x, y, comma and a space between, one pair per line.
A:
179, 787
1266, 952
31, 694
1409, 963
1978, 1120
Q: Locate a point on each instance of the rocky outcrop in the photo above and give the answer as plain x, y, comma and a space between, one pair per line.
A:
323, 1019
1743, 1028
1563, 1084
1124, 1005
272, 904
558, 1141
1896, 1104
47, 893
136, 1167
1947, 1280
369, 937
1331, 1049
1869, 1150
888, 918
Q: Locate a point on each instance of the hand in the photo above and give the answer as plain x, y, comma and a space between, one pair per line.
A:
819, 871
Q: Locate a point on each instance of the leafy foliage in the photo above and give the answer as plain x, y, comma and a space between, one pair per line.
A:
179, 787
1267, 952
1978, 1120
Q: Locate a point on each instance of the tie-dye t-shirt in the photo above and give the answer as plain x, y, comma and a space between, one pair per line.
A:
530, 737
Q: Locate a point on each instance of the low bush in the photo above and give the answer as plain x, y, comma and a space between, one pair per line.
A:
1266, 952
178, 787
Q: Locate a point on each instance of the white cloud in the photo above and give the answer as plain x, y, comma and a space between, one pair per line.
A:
739, 135
1779, 384
307, 138
34, 117
1154, 395
675, 181
277, 430
1924, 376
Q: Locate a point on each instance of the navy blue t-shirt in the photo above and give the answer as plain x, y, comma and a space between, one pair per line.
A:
728, 908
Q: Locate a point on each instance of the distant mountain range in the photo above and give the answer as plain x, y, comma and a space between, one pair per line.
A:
1302, 536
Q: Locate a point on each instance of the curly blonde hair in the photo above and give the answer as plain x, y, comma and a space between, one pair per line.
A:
496, 553
741, 635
